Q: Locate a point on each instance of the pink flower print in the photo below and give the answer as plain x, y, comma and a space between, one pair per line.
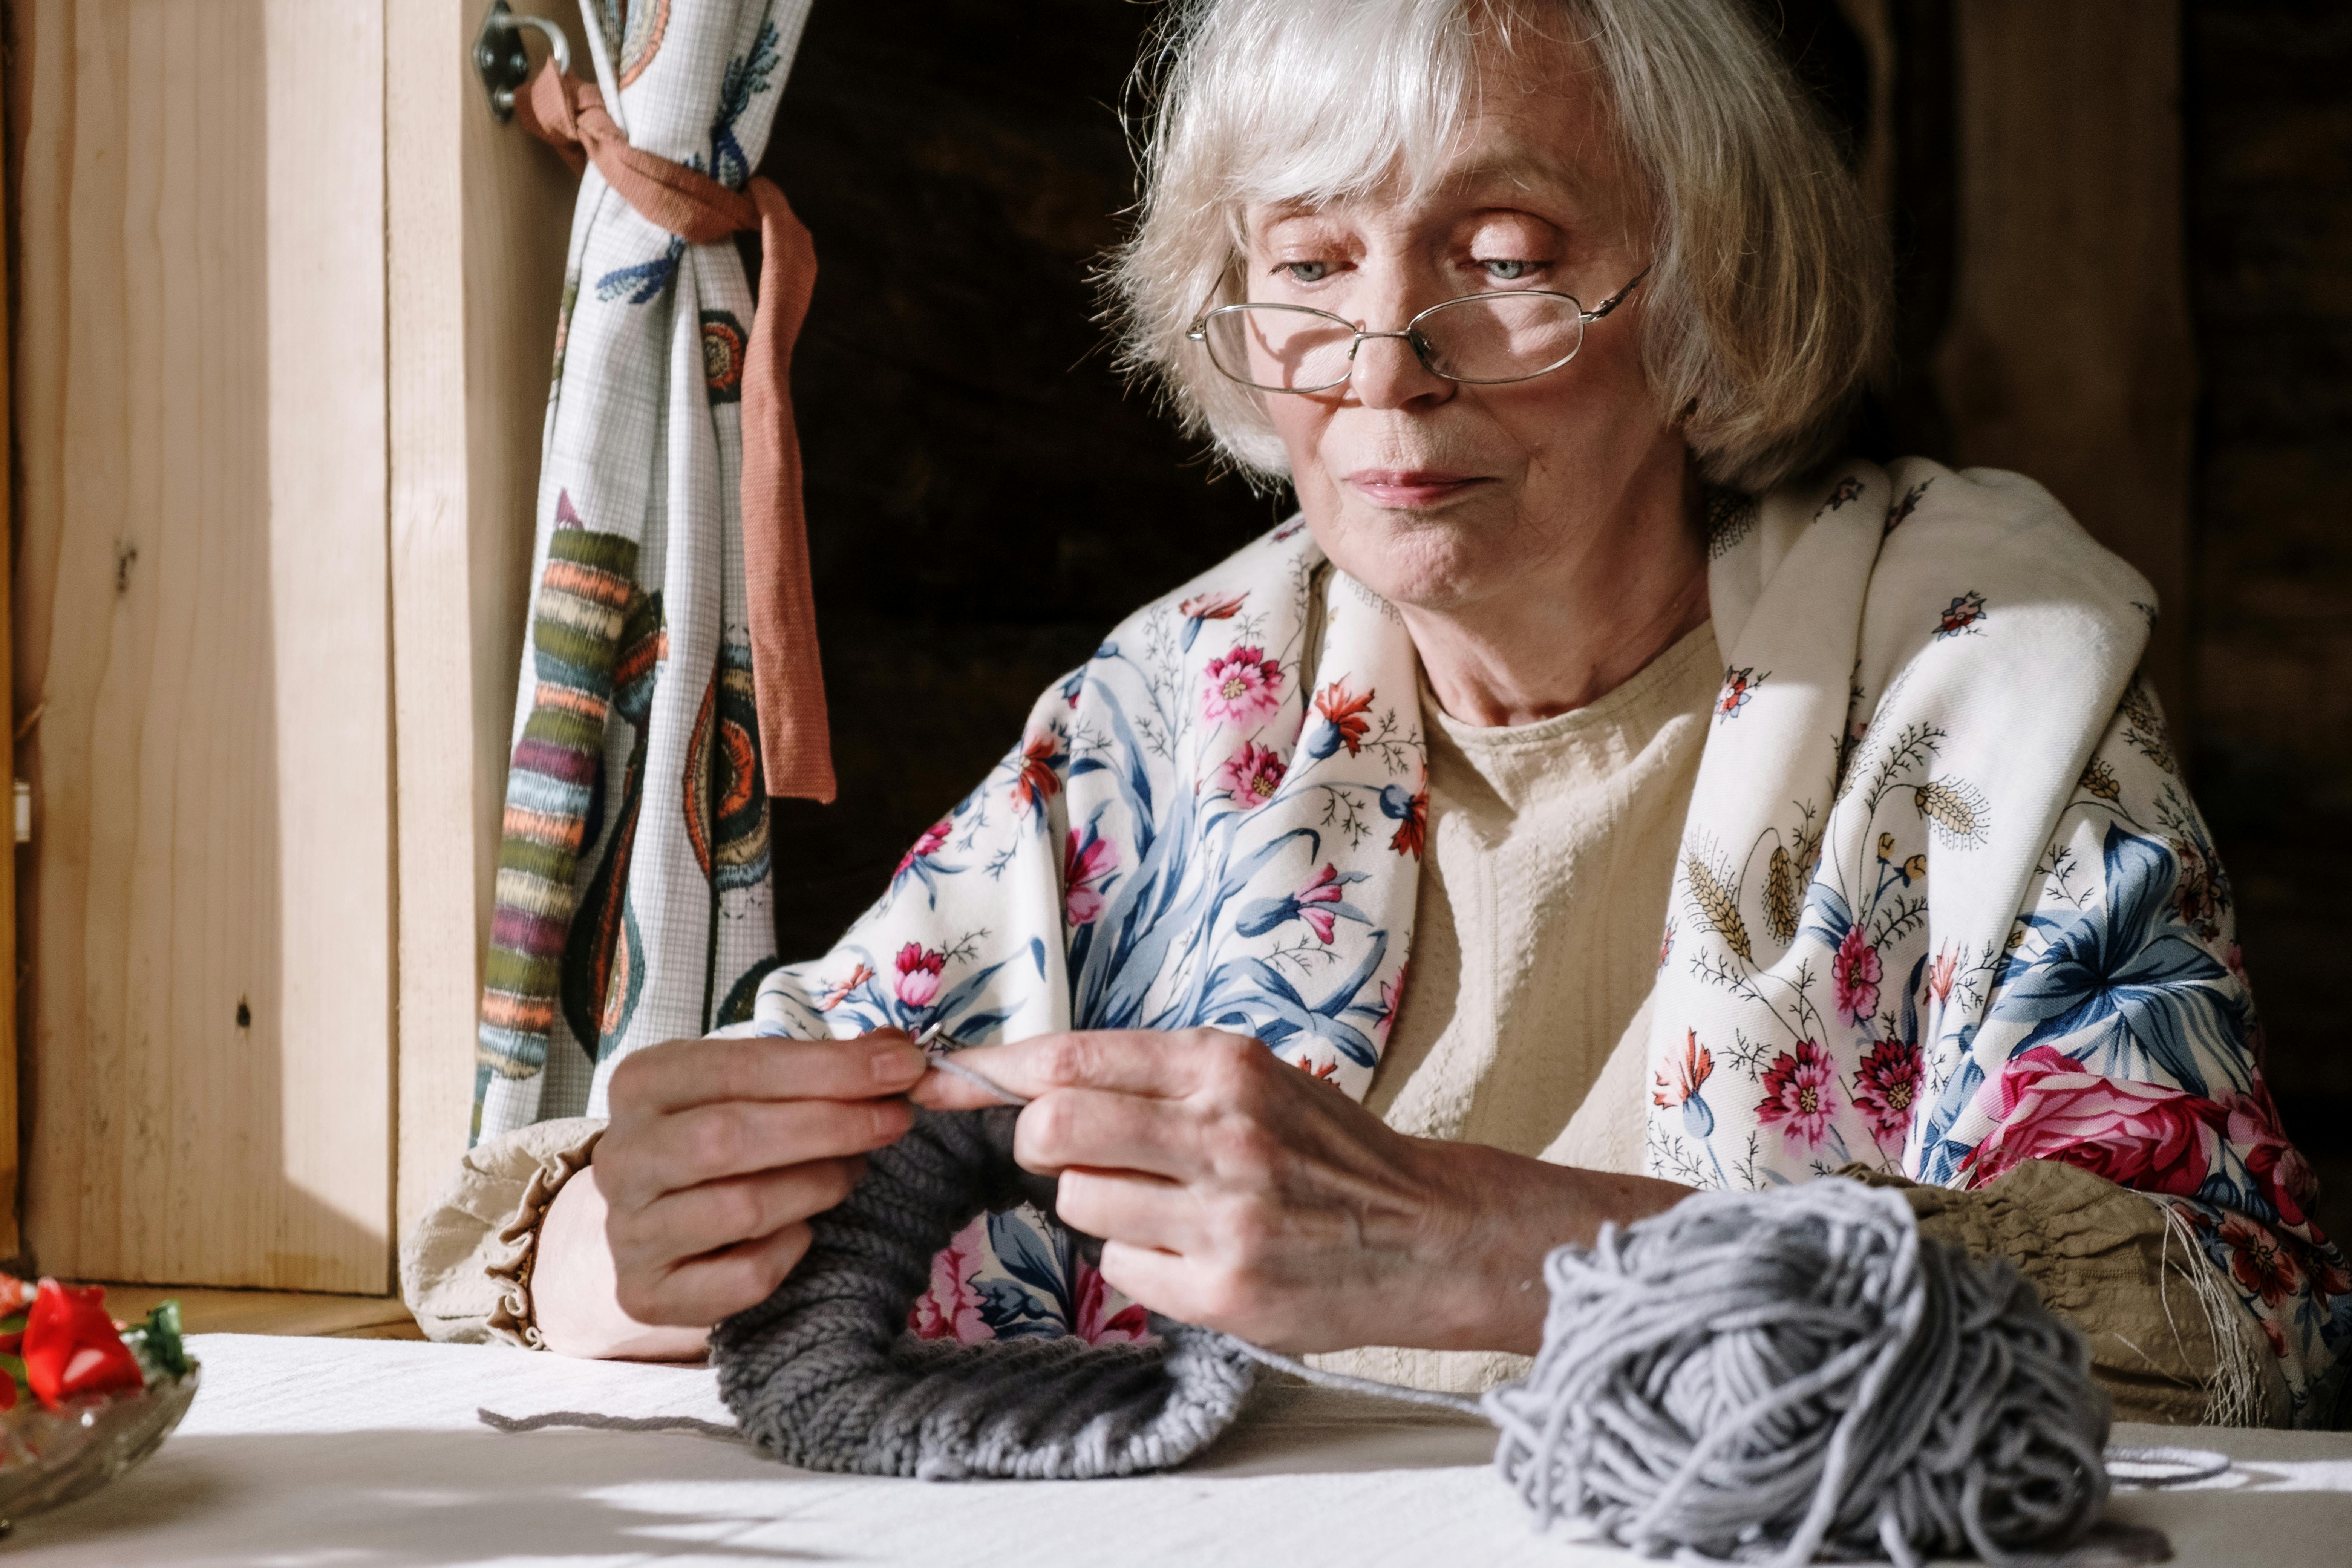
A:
1203, 608
919, 973
1251, 775
1089, 1295
1800, 1094
1856, 975
1241, 688
1323, 888
2135, 1134
1667, 945
1321, 1072
1939, 975
1886, 1090
2278, 1166
928, 845
1085, 866
1690, 1075
949, 1309
1344, 722
1392, 998
835, 994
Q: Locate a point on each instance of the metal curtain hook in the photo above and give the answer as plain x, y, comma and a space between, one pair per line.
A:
501, 60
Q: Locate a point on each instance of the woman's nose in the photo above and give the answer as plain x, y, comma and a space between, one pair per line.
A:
1390, 374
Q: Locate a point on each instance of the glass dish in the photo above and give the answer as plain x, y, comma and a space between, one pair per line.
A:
52, 1456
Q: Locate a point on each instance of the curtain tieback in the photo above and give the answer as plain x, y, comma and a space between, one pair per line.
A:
568, 114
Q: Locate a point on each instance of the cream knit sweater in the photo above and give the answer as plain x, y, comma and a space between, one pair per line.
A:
1543, 897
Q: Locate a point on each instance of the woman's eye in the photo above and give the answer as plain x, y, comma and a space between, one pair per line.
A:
1506, 271
1306, 271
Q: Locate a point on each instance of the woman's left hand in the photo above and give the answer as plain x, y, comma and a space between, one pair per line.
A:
1234, 1190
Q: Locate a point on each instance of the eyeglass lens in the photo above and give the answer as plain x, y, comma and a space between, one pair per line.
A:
1480, 338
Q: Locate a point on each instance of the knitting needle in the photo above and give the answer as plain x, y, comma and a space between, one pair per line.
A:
936, 1043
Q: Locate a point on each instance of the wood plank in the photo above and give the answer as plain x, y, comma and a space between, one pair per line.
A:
10, 1241
205, 1311
480, 214
201, 606
2069, 357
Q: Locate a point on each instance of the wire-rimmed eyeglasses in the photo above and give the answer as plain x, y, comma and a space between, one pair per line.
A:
1480, 339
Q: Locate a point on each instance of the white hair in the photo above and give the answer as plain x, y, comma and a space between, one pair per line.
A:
1766, 309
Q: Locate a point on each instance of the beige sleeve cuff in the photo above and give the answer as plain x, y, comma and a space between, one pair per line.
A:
464, 1270
2167, 1343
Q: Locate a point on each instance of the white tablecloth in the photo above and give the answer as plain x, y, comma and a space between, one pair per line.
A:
355, 1452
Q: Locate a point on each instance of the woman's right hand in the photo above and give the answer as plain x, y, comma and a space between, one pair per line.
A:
717, 1153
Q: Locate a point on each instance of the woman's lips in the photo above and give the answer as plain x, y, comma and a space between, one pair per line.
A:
1410, 486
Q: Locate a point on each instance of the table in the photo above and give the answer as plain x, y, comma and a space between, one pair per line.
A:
360, 1454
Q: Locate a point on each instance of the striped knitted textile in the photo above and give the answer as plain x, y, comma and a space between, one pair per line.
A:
582, 608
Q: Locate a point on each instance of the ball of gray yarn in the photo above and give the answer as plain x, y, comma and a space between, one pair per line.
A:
1776, 1375
825, 1373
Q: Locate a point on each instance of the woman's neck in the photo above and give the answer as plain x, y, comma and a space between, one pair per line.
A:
1576, 627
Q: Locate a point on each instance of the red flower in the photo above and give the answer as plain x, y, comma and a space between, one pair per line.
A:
1241, 688
835, 995
2135, 1134
1321, 1072
1344, 709
1939, 975
1038, 782
1738, 686
1084, 868
72, 1348
1211, 606
919, 973
1886, 1090
1251, 775
925, 848
1089, 1295
1856, 974
1411, 815
949, 1309
1690, 1074
1801, 1091
2258, 1261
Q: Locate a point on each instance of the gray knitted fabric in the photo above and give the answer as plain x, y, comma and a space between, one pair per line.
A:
824, 1373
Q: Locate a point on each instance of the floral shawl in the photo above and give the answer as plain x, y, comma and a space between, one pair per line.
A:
1943, 903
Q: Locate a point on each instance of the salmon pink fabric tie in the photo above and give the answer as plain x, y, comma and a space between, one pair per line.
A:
796, 744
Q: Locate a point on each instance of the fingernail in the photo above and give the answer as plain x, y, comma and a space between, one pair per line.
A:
893, 1063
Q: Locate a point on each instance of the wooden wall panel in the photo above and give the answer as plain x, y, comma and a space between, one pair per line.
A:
480, 216
201, 611
2069, 356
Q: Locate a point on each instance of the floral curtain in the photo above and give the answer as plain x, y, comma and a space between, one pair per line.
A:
633, 901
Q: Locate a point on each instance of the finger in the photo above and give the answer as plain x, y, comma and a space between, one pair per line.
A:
719, 1214
1137, 1211
700, 1292
711, 1143
682, 1073
943, 1089
1160, 1064
1108, 1131
1162, 1282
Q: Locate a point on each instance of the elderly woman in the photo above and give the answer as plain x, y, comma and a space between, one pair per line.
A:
1747, 815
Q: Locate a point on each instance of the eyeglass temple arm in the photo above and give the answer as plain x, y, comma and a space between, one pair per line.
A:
1617, 299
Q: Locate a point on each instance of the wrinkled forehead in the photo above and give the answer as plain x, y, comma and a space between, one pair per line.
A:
1402, 115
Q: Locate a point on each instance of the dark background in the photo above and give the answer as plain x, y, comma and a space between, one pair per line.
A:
985, 498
